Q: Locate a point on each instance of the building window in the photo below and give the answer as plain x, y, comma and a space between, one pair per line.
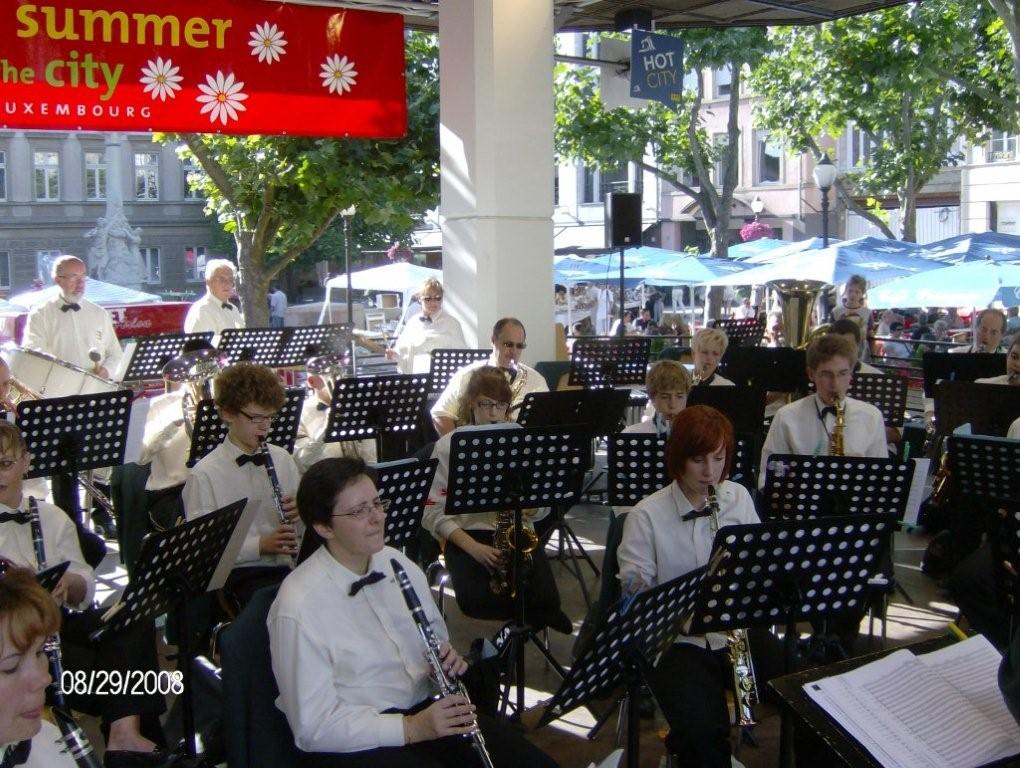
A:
150, 257
46, 175
146, 176
556, 186
860, 148
5, 269
3, 175
599, 183
719, 141
194, 263
189, 165
722, 81
1002, 146
768, 160
95, 175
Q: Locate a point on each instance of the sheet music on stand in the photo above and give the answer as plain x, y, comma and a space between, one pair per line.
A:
742, 332
743, 406
367, 406
801, 487
774, 369
209, 430
988, 408
406, 484
610, 362
942, 366
148, 354
444, 363
75, 433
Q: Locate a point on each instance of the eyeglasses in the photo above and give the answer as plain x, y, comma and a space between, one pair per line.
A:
492, 405
363, 511
71, 277
431, 298
259, 418
513, 345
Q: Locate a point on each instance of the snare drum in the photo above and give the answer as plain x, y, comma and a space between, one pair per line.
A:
51, 377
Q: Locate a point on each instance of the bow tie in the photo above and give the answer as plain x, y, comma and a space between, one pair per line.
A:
255, 458
16, 754
227, 305
425, 318
14, 517
829, 409
694, 514
372, 578
322, 406
511, 373
75, 307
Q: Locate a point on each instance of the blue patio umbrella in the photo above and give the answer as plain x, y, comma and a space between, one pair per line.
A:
993, 246
764, 257
763, 245
968, 284
687, 270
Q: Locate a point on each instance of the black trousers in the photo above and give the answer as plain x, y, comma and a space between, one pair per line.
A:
506, 747
476, 599
131, 653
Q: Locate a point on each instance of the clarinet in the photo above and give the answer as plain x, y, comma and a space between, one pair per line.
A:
274, 481
447, 685
75, 741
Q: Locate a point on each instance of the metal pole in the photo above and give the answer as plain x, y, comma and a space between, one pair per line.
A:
825, 217
622, 330
347, 267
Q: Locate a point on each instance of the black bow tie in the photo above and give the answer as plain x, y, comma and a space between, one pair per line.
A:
827, 410
694, 514
511, 373
322, 406
255, 458
17, 754
227, 305
14, 517
372, 578
425, 318
75, 307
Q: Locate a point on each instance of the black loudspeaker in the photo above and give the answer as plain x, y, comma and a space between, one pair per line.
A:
623, 219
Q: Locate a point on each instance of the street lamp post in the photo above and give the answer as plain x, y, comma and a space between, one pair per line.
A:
348, 214
825, 175
757, 206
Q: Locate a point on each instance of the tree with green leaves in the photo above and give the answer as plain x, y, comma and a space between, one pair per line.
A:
277, 195
884, 74
588, 133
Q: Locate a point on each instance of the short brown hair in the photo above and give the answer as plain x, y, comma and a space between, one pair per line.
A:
858, 280
824, 348
487, 380
667, 376
323, 482
697, 430
243, 383
846, 327
998, 312
27, 612
11, 439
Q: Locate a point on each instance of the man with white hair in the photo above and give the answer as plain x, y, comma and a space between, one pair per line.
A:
69, 326
214, 311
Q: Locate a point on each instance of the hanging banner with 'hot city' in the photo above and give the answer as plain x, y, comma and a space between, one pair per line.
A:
230, 66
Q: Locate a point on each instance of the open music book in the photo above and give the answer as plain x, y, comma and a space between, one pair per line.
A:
941, 708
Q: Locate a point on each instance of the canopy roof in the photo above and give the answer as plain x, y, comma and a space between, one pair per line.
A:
101, 293
397, 277
969, 284
993, 246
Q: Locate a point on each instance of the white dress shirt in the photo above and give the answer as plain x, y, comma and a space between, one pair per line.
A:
863, 367
309, 446
973, 349
340, 661
48, 750
527, 380
799, 428
658, 545
420, 336
1003, 379
70, 335
1014, 430
165, 442
210, 314
216, 480
60, 540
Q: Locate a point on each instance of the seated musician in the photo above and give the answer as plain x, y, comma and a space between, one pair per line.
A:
509, 340
668, 383
707, 348
132, 651
806, 426
310, 446
988, 337
28, 617
667, 535
467, 539
354, 682
1012, 374
248, 398
851, 331
1014, 430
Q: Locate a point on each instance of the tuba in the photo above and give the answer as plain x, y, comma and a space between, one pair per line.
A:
330, 367
196, 370
797, 299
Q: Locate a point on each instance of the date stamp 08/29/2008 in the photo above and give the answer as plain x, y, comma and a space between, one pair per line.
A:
134, 682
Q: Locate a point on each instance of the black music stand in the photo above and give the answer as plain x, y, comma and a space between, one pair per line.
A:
788, 571
50, 577
743, 406
209, 429
508, 468
623, 650
384, 407
443, 363
610, 362
1004, 541
887, 393
774, 369
983, 478
943, 366
988, 408
253, 345
174, 566
302, 342
742, 332
75, 433
151, 353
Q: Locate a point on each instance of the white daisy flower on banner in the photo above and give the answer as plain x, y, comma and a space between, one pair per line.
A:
267, 42
222, 97
161, 78
338, 74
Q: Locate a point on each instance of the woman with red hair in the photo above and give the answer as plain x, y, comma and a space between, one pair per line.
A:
667, 535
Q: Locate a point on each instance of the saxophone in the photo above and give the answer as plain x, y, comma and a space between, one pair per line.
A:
836, 439
699, 375
517, 377
745, 688
503, 580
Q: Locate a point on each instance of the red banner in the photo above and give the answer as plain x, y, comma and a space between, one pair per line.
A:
230, 66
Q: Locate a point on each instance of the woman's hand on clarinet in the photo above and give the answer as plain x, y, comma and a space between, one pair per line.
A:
282, 541
450, 716
454, 664
289, 504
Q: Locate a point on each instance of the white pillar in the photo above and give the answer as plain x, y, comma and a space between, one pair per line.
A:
496, 149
